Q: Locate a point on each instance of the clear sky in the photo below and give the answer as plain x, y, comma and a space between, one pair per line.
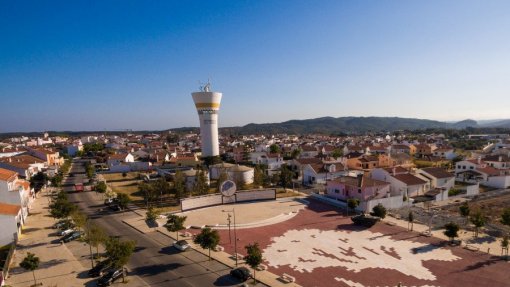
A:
95, 65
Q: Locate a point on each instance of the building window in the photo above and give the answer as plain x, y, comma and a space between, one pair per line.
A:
337, 191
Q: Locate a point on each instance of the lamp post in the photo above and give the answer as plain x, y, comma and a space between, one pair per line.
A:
229, 235
235, 234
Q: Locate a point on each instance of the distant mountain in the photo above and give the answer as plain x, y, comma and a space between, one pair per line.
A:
498, 124
329, 125
464, 124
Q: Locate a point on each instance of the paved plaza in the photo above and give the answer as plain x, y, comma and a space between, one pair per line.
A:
321, 247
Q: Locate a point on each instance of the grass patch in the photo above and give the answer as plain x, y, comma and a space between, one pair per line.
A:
131, 190
167, 209
118, 176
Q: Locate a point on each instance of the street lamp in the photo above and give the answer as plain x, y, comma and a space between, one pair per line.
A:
235, 234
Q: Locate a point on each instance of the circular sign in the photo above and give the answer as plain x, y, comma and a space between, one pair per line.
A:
228, 188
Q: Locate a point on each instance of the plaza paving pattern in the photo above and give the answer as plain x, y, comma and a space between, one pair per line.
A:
321, 247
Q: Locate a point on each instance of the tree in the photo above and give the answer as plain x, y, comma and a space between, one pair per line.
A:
258, 176
62, 208
89, 169
200, 187
119, 252
123, 200
352, 203
179, 184
410, 218
30, 263
253, 257
151, 215
478, 221
161, 187
464, 210
101, 187
285, 176
295, 153
79, 219
379, 210
175, 223
504, 245
222, 177
337, 153
274, 148
451, 230
207, 239
505, 217
150, 194
95, 236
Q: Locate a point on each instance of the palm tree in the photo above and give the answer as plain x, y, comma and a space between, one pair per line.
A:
30, 263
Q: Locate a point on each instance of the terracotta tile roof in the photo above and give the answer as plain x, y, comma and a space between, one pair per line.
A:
304, 161
9, 209
7, 175
488, 170
366, 182
437, 172
119, 156
409, 179
504, 158
398, 169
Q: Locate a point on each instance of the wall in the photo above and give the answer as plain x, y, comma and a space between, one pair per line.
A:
498, 181
9, 227
218, 199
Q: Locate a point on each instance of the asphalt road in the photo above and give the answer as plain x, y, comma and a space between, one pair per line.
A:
154, 260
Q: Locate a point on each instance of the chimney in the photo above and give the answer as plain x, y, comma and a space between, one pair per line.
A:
479, 160
394, 171
500, 159
360, 180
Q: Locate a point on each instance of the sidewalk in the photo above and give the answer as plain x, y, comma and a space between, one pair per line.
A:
57, 263
63, 265
264, 277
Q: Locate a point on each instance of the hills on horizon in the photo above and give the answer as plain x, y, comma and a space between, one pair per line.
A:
332, 125
323, 125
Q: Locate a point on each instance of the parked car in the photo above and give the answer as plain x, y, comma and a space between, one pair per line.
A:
66, 231
115, 207
62, 223
111, 276
100, 268
71, 236
109, 201
181, 245
241, 273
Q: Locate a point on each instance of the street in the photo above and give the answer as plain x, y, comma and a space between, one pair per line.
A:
154, 260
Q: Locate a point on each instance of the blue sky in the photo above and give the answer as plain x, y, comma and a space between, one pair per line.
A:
96, 65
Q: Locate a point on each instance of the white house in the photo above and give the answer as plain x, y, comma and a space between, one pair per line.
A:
401, 181
314, 173
117, 159
15, 191
437, 177
10, 221
446, 153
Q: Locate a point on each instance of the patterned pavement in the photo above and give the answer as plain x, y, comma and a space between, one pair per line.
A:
321, 247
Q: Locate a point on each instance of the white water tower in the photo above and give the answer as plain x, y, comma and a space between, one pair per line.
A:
208, 106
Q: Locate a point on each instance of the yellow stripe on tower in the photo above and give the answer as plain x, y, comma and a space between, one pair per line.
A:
207, 105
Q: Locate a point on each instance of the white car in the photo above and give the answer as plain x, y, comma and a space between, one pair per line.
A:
181, 245
65, 232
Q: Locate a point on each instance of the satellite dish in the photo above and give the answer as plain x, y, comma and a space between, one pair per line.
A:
228, 188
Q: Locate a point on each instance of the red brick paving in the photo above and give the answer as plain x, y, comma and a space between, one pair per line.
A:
473, 269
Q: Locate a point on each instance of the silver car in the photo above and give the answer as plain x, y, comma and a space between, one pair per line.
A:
65, 232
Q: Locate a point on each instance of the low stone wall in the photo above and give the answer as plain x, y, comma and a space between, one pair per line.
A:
218, 199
